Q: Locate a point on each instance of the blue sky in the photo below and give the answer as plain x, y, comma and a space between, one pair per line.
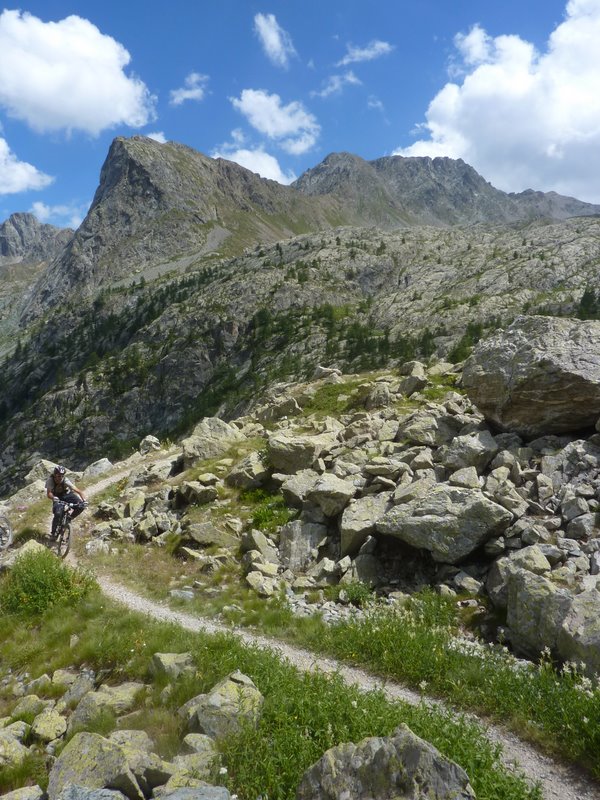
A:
510, 87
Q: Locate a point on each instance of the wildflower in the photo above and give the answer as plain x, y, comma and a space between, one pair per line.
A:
223, 771
353, 703
423, 685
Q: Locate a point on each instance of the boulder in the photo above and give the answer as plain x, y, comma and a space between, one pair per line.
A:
172, 665
449, 521
48, 725
221, 711
37, 793
210, 438
296, 487
359, 520
290, 453
536, 609
250, 473
148, 444
387, 768
12, 752
91, 761
297, 541
539, 376
331, 494
100, 467
579, 635
115, 699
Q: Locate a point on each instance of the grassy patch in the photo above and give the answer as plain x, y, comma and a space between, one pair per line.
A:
38, 581
419, 644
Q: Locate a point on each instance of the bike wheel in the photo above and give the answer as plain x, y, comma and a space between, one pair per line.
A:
63, 543
6, 534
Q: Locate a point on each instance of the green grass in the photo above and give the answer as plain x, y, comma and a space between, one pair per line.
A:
303, 715
418, 645
38, 581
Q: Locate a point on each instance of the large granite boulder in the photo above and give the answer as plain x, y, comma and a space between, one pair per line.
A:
539, 376
359, 519
386, 768
290, 453
90, 760
222, 710
210, 439
579, 635
449, 521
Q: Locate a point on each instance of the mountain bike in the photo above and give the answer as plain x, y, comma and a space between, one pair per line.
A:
61, 539
6, 533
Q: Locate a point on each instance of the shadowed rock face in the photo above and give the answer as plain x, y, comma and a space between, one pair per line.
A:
540, 376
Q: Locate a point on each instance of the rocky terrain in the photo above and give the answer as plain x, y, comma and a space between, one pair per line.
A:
393, 481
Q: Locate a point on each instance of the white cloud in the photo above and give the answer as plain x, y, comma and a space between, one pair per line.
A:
158, 136
19, 176
194, 89
335, 84
70, 216
291, 126
276, 42
374, 49
523, 118
67, 75
256, 160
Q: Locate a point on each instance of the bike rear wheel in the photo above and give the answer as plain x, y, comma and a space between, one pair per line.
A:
63, 542
6, 534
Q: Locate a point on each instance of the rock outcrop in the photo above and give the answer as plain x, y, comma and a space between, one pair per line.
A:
539, 376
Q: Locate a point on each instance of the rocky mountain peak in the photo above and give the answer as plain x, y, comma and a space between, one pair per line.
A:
24, 238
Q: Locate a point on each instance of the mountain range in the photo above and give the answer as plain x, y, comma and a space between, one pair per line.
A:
193, 283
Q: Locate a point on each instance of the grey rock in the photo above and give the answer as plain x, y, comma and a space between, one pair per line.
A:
450, 522
539, 376
94, 762
297, 542
331, 494
385, 768
359, 520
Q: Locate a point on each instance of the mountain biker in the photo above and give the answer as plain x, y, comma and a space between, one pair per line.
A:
60, 489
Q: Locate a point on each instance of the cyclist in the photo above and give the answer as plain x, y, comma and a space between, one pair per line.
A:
60, 489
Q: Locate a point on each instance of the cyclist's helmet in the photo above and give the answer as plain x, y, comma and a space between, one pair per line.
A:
59, 470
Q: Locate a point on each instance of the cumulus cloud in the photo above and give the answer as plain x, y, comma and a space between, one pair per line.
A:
158, 136
19, 176
374, 49
194, 89
276, 42
256, 160
524, 118
67, 75
70, 216
293, 128
335, 84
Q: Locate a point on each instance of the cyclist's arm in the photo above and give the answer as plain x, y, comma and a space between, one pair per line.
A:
79, 492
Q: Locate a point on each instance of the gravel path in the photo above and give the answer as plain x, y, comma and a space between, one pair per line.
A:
558, 781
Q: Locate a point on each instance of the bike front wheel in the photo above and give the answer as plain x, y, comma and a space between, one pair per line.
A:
63, 542
6, 534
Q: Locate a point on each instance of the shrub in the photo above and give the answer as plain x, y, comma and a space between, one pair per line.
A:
39, 581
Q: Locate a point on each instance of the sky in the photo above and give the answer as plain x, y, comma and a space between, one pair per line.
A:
511, 87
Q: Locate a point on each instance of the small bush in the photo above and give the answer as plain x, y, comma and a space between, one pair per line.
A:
39, 581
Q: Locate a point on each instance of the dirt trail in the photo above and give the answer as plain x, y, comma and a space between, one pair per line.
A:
558, 781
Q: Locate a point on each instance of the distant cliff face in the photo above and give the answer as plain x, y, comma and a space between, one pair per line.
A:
23, 238
424, 191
